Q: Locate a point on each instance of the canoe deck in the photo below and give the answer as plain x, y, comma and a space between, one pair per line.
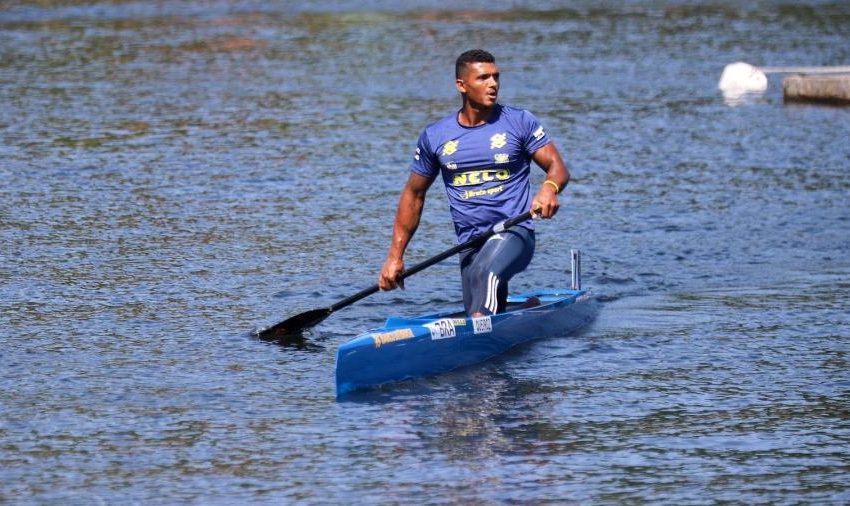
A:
407, 348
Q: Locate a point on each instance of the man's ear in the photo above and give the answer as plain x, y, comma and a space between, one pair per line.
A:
460, 85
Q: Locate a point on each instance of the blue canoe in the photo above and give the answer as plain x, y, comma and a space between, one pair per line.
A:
406, 348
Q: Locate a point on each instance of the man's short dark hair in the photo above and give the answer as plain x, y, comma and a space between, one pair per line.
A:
472, 56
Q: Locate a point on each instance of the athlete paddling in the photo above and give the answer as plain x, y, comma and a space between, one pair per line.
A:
483, 153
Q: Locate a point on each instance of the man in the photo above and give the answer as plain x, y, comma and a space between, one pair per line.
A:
483, 153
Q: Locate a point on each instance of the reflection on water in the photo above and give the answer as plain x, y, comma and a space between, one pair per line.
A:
176, 175
743, 98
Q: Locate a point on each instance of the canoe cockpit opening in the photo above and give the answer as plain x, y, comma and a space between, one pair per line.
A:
532, 301
514, 303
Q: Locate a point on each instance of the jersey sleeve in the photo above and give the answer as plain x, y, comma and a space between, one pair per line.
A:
425, 161
535, 135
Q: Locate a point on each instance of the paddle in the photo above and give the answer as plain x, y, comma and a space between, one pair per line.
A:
300, 322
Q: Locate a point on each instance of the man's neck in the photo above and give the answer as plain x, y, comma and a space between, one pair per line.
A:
472, 116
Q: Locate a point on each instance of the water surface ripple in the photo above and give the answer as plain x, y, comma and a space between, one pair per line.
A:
174, 176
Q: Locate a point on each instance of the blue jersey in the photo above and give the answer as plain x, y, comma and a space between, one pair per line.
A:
485, 168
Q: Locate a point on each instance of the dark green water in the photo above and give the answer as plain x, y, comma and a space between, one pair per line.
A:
175, 175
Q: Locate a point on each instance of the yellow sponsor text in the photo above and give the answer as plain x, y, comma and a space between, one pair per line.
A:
470, 194
475, 177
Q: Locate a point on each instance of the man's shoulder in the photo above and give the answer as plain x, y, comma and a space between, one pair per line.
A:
521, 121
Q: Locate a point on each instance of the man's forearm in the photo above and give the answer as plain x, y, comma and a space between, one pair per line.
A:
407, 218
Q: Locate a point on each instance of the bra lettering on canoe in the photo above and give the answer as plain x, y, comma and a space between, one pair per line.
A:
442, 329
391, 337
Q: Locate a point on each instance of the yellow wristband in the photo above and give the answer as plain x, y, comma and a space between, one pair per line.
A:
553, 183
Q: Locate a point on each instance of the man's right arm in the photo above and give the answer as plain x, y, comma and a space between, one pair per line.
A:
410, 206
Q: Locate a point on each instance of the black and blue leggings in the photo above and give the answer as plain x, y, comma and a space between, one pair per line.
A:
485, 271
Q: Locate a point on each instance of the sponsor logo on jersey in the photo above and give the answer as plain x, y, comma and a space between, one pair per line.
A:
416, 156
471, 194
501, 158
539, 133
451, 166
498, 141
474, 177
450, 148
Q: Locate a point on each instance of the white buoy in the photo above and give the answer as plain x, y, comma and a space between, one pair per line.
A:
739, 78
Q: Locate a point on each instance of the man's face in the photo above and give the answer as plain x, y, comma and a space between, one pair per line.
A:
480, 83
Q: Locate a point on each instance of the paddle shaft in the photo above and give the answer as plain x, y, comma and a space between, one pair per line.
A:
299, 322
475, 241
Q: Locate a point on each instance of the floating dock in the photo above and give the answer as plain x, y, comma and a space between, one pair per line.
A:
825, 89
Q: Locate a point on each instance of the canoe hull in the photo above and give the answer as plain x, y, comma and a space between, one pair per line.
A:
406, 348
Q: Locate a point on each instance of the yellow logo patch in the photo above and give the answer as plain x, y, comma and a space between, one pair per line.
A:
391, 337
498, 141
450, 148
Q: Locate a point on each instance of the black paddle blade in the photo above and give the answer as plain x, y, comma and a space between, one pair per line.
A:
295, 325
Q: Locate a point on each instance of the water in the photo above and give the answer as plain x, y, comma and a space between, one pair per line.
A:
174, 176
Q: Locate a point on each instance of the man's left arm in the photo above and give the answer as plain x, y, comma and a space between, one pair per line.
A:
557, 177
